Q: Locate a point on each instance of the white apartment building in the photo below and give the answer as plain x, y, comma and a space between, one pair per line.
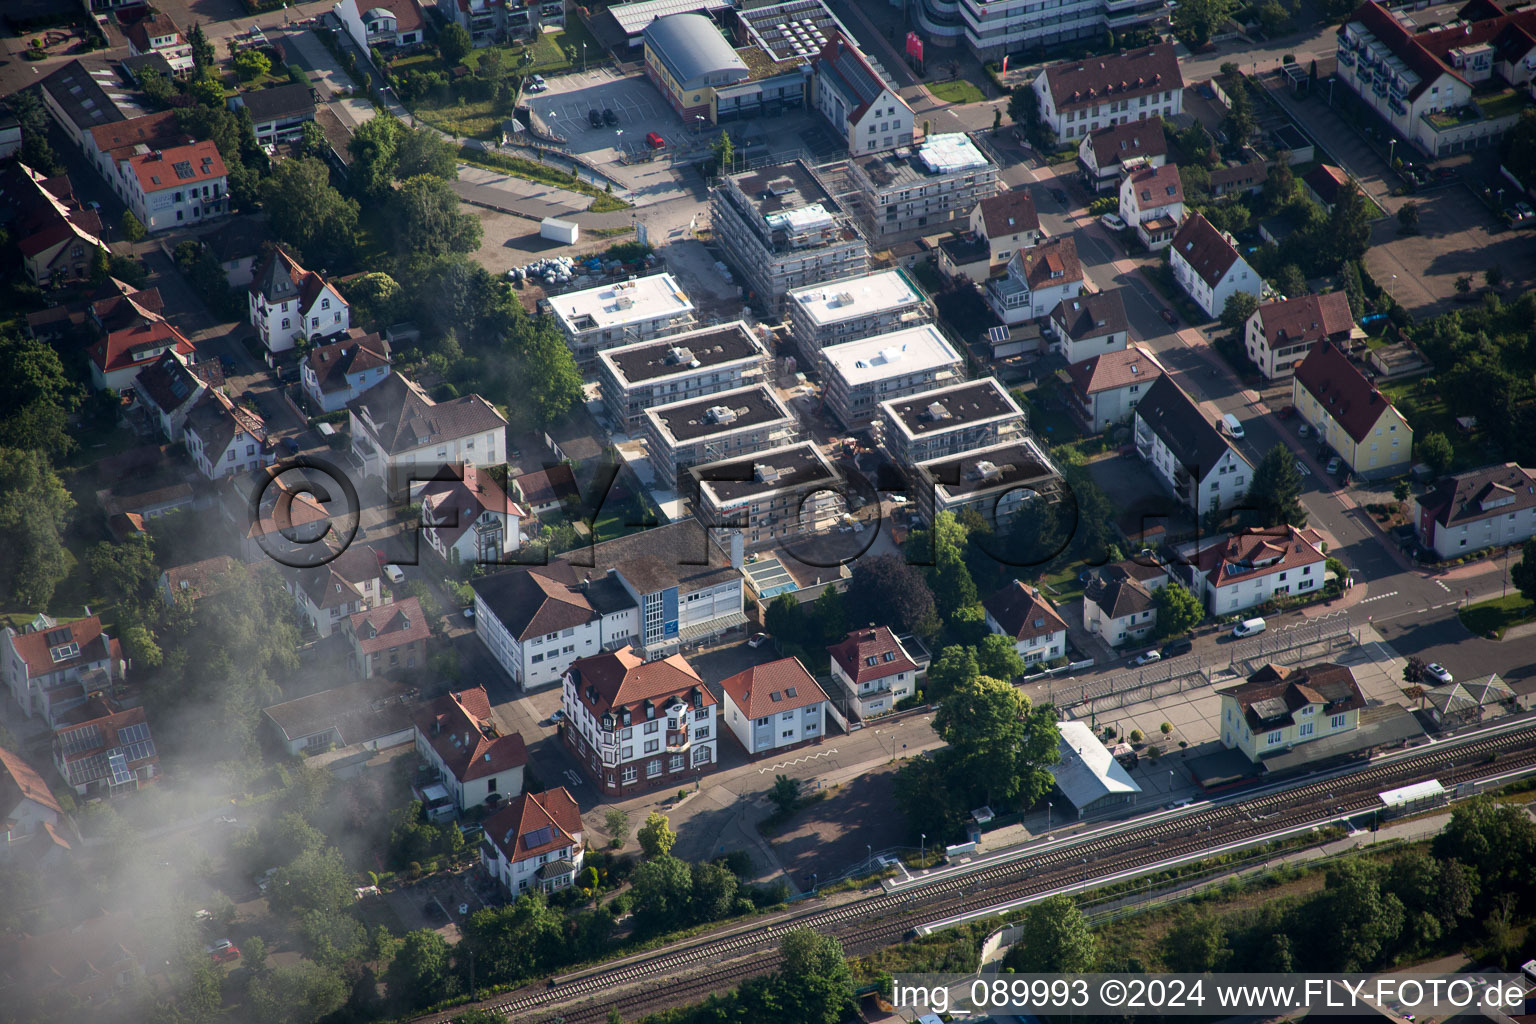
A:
621, 313
1491, 507
1207, 265
288, 304
1253, 567
866, 113
1279, 334
534, 844
278, 114
1152, 202
1109, 154
704, 361
1037, 279
921, 189
858, 375
635, 725
999, 226
157, 33
946, 422
51, 669
874, 671
993, 29
1193, 458
176, 187
400, 435
1078, 97
1027, 618
457, 737
774, 707
995, 481
728, 425
225, 439
835, 312
770, 496
1107, 388
375, 23
1091, 325
781, 230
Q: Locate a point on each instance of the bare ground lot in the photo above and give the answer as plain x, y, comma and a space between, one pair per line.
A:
834, 835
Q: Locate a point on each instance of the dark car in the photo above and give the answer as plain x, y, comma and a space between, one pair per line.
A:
595, 117
1168, 317
1059, 195
227, 364
610, 118
291, 445
1174, 648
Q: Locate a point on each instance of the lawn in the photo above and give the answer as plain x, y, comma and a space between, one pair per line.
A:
461, 118
1501, 105
532, 170
1420, 403
956, 90
1497, 615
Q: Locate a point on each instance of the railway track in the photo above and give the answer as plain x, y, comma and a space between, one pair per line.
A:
679, 975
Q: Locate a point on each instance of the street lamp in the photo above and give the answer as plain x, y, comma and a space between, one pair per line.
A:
583, 56
1391, 149
922, 851
813, 883
869, 856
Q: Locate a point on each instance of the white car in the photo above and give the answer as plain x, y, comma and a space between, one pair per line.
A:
758, 639
1438, 673
1112, 221
1301, 467
1147, 658
394, 574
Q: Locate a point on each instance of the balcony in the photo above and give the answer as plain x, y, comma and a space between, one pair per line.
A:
678, 741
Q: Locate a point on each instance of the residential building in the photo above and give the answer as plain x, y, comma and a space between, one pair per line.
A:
1491, 507
1277, 708
994, 30
535, 843
1350, 415
949, 421
102, 750
999, 226
727, 425
1253, 567
77, 101
278, 113
176, 187
155, 32
381, 23
858, 375
401, 435
288, 304
774, 707
457, 736
635, 725
121, 355
167, 390
237, 246
864, 112
96, 961
920, 189
1118, 607
696, 363
272, 517
771, 496
1207, 265
1037, 279
467, 517
1107, 388
1152, 202
1193, 459
834, 312
108, 145
386, 639
1279, 334
657, 588
781, 230
53, 669
369, 715
1090, 325
994, 481
56, 235
551, 489
28, 809
1247, 174
194, 580
225, 439
620, 313
1029, 620
1324, 183
326, 595
335, 374
1078, 97
1109, 154
874, 671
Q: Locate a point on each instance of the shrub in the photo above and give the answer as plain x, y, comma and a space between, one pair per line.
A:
1103, 205
1166, 728
1136, 736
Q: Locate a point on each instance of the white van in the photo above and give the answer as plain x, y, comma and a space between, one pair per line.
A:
1249, 627
394, 574
1231, 426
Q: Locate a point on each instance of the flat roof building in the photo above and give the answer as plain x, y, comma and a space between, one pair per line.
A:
781, 229
833, 312
995, 481
728, 425
949, 421
620, 313
923, 188
770, 496
704, 361
858, 375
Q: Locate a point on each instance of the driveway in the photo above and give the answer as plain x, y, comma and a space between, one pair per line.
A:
327, 76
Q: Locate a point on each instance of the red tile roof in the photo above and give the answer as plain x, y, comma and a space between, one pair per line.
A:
782, 685
524, 819
1119, 143
1342, 390
1157, 186
1471, 496
199, 579
556, 483
623, 681
1326, 180
1404, 45
153, 25
156, 131
1023, 612
36, 648
1206, 250
389, 625
357, 354
461, 501
1051, 263
20, 781
139, 345
459, 727
854, 653
1268, 698
178, 167
89, 732
1113, 370
1252, 553
1306, 318
1084, 83
407, 14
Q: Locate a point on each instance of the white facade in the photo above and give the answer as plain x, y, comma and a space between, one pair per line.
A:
1040, 647
223, 441
836, 312
858, 375
177, 187
778, 731
540, 661
679, 367
1147, 205
1037, 279
1212, 296
1132, 627
520, 876
621, 313
843, 79
1368, 66
371, 24
471, 793
992, 30
287, 303
1080, 117
876, 696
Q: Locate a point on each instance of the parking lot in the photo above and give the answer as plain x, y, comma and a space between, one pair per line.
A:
639, 109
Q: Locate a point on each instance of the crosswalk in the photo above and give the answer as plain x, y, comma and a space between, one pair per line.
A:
1380, 597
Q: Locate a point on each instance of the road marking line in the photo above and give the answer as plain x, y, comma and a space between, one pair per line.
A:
798, 760
1378, 597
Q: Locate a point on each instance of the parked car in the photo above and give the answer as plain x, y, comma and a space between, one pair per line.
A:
1060, 196
1305, 430
463, 909
1174, 648
1523, 212
1333, 465
655, 141
758, 639
1438, 673
1168, 317
1112, 221
557, 717
1147, 658
291, 445
394, 574
223, 951
1286, 412
595, 118
1249, 627
609, 117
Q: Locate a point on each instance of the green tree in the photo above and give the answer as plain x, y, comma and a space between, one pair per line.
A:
33, 119
1273, 17
1279, 186
203, 56
1178, 611
1195, 944
140, 646
784, 619
656, 836
785, 793
662, 891
314, 880
725, 152
132, 229
1435, 452
616, 824
35, 507
544, 383
1290, 281
1408, 218
424, 151
254, 954
813, 983
1275, 491
1364, 921
885, 589
36, 397
375, 298
453, 44
1354, 289
1194, 23
296, 994
1056, 940
830, 615
1497, 842
1523, 573
996, 656
1240, 306
1240, 122
948, 577
1000, 745
127, 571
1493, 277
712, 892
251, 64
956, 666
306, 211
1349, 225
418, 975
374, 147
427, 221
157, 87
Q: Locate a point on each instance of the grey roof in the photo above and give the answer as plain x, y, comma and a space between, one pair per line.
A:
1386, 725
359, 712
1087, 772
845, 69
798, 466
1092, 316
689, 420
80, 96
1175, 418
280, 101
1117, 594
153, 61
694, 51
403, 417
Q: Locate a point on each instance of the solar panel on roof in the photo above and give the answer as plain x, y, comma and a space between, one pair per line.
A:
996, 335
119, 767
77, 741
538, 837
55, 637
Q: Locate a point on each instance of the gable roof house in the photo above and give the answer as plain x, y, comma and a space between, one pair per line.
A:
225, 439
53, 669
335, 374
56, 235
177, 186
1079, 97
1110, 153
1324, 183
118, 358
546, 490
374, 23
1207, 265
1037, 279
386, 639
194, 580
1028, 618
1277, 708
1278, 336
278, 114
167, 389
325, 595
1256, 566
1107, 388
28, 809
1194, 460
102, 750
999, 226
774, 707
469, 517
157, 33
399, 434
874, 669
535, 843
1351, 415
1491, 507
1090, 325
866, 113
1119, 607
458, 737
1152, 202
288, 303
367, 715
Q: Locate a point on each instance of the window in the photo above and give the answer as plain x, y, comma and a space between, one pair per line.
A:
651, 727
701, 714
325, 303
701, 755
651, 746
630, 773
627, 734
1337, 721
536, 658
1305, 729
787, 734
1273, 737
653, 769
675, 763
285, 323
701, 733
